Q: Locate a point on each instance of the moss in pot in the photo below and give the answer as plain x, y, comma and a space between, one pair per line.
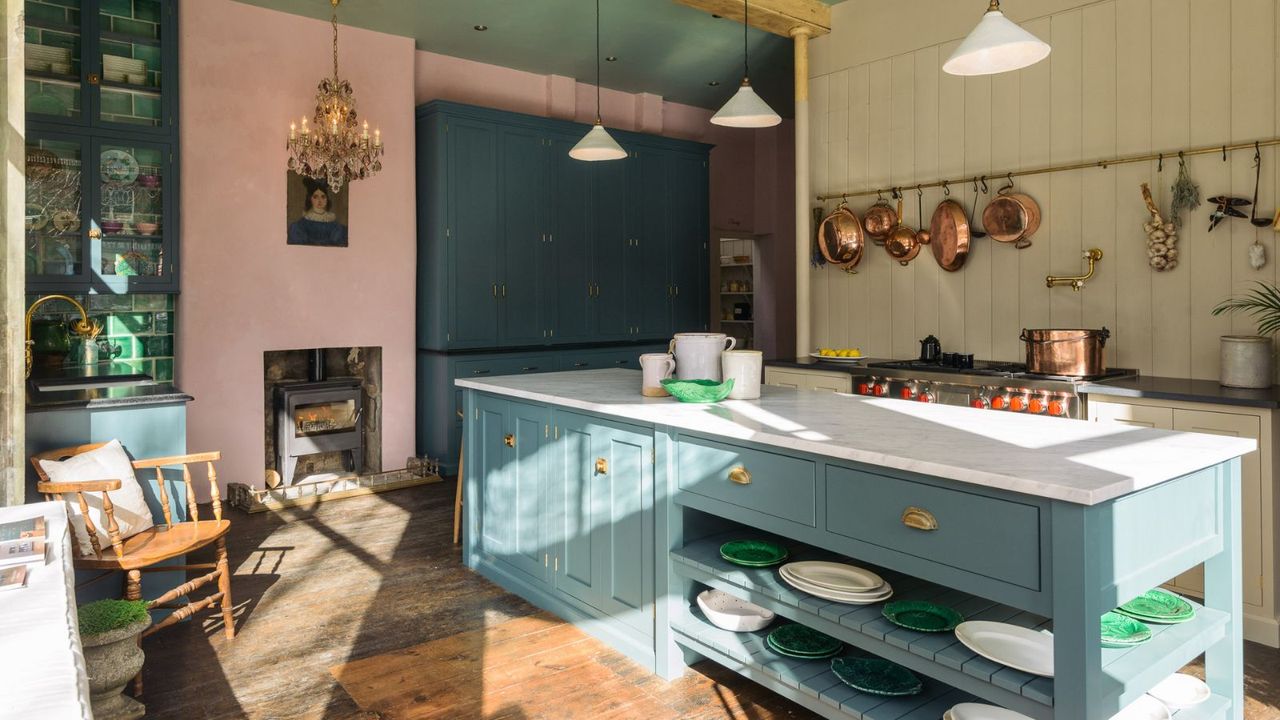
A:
109, 631
1247, 360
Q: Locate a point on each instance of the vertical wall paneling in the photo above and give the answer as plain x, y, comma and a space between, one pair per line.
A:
1098, 138
1063, 217
838, 287
977, 270
820, 309
927, 119
1035, 262
1006, 142
857, 290
951, 162
902, 166
876, 269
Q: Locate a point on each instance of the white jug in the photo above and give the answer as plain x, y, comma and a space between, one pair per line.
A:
744, 368
655, 367
698, 354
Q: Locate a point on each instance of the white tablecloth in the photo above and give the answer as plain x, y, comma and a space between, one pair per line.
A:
42, 672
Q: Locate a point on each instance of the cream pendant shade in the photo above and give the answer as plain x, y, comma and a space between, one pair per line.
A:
746, 110
597, 144
996, 45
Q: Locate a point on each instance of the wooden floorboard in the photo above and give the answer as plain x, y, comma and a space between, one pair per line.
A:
361, 608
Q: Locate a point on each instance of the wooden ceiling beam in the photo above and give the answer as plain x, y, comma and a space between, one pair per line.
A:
780, 17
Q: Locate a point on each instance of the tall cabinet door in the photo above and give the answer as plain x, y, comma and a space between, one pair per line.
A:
623, 560
571, 242
687, 230
648, 279
574, 532
521, 244
472, 228
610, 251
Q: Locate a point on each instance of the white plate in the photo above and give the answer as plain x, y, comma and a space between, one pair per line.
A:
1018, 647
979, 711
828, 358
866, 598
732, 613
836, 576
1181, 690
1144, 708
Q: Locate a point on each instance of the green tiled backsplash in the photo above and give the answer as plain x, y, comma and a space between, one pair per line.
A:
142, 325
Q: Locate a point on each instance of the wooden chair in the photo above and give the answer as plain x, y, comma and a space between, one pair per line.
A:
139, 553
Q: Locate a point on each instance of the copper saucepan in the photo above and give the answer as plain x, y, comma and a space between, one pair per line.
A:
840, 237
901, 243
879, 221
1073, 352
1012, 217
949, 235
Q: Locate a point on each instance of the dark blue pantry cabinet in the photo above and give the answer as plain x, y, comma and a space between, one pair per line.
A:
528, 258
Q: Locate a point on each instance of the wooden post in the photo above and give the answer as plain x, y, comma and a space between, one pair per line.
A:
12, 251
800, 37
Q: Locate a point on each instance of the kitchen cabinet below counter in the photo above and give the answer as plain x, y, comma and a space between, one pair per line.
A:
1257, 478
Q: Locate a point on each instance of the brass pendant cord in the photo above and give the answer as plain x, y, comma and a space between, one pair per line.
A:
598, 122
1101, 164
746, 69
334, 22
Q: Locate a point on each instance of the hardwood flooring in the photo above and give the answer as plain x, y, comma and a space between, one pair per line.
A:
362, 609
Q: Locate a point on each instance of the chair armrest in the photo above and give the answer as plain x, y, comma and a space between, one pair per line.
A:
177, 459
58, 488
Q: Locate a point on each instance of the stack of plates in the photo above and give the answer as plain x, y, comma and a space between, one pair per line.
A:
1180, 691
805, 643
1158, 606
836, 582
1121, 631
753, 553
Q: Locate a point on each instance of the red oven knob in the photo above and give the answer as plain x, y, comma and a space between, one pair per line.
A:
1000, 402
1037, 405
926, 397
1018, 403
880, 389
864, 389
906, 392
1058, 407
980, 403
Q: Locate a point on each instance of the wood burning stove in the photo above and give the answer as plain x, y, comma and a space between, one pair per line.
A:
319, 416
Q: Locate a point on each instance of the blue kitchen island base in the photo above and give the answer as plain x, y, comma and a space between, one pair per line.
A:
677, 481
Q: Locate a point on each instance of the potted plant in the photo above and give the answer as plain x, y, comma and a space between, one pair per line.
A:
109, 631
1247, 359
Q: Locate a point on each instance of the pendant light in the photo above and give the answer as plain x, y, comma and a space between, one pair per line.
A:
996, 45
746, 109
597, 144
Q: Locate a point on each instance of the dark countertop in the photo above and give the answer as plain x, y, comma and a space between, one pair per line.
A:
160, 393
1185, 390
808, 363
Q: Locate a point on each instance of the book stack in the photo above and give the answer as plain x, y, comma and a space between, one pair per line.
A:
22, 542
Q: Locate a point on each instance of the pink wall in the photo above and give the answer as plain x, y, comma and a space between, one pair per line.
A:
245, 73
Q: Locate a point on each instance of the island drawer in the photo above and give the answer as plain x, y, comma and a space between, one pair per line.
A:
777, 485
987, 536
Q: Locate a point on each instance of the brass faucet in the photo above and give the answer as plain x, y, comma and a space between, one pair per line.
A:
84, 327
1092, 256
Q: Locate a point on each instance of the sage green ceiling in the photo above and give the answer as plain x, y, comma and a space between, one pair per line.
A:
662, 47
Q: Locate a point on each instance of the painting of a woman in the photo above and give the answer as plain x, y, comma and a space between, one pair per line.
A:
318, 222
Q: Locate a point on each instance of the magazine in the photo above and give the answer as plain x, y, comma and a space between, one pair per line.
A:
21, 551
14, 577
29, 528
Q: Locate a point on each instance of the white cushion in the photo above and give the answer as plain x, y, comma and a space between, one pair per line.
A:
109, 462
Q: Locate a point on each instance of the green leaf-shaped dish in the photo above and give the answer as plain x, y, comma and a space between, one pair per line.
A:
876, 676
800, 641
698, 391
1123, 631
1158, 606
753, 553
922, 616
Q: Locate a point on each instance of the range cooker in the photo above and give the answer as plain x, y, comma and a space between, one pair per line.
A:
987, 385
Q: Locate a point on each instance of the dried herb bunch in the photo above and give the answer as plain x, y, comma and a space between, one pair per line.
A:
1186, 194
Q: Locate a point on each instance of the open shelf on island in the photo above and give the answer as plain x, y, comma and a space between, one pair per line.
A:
940, 655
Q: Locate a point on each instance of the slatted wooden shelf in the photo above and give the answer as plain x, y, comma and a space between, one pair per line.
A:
940, 655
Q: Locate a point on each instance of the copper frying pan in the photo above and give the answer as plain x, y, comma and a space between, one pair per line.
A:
840, 237
949, 235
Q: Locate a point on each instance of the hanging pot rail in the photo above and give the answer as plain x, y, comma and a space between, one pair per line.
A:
1103, 164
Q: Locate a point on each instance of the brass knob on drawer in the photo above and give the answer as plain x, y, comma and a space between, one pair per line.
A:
919, 519
509, 440
602, 466
740, 475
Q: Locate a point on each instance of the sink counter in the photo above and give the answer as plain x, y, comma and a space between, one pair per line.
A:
154, 393
1075, 461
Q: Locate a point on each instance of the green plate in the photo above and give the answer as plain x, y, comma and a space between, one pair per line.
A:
1123, 631
698, 391
922, 616
800, 656
876, 676
753, 553
1158, 606
802, 641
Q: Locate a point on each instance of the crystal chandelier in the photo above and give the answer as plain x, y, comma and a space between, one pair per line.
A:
337, 149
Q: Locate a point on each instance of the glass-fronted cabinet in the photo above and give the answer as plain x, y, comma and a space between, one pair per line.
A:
101, 145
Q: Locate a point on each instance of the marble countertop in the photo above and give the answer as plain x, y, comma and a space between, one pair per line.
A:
1071, 460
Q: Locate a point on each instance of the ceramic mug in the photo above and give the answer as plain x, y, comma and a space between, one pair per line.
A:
744, 368
698, 354
655, 367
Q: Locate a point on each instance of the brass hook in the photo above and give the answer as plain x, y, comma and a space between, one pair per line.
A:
1257, 154
946, 188
894, 193
1009, 186
919, 191
879, 195
1224, 153
985, 189
1160, 163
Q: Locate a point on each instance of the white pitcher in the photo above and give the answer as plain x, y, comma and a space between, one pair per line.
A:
655, 367
744, 368
698, 354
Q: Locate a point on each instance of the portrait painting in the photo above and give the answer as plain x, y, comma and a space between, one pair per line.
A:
317, 215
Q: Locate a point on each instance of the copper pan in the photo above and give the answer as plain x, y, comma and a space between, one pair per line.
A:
879, 221
901, 243
840, 237
1073, 352
949, 235
1011, 217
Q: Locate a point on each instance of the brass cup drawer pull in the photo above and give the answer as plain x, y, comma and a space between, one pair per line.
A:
919, 519
602, 466
509, 440
740, 475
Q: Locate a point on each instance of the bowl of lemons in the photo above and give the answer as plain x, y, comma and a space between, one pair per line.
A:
838, 355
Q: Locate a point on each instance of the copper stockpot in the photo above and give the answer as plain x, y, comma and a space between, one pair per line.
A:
840, 238
1012, 217
879, 220
1074, 352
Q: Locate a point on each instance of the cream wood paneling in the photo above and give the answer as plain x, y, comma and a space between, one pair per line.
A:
808, 379
1125, 76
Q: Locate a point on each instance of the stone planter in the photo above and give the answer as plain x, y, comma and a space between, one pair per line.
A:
1246, 361
112, 659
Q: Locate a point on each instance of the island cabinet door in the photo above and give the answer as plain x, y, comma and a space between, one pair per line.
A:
513, 468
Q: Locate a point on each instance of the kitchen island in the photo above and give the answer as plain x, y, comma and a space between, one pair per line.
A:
608, 509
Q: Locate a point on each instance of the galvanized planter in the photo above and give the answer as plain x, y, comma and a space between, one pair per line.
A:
1246, 361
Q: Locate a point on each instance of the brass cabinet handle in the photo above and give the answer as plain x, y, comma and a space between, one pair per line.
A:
602, 466
509, 440
740, 475
94, 232
919, 519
